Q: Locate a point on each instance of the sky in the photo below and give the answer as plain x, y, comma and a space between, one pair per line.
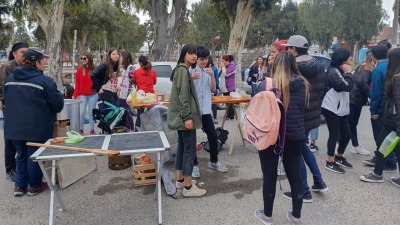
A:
387, 5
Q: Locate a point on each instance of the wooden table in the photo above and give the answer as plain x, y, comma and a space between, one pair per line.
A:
215, 100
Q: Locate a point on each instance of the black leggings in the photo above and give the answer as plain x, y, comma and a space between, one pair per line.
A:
338, 127
291, 161
380, 160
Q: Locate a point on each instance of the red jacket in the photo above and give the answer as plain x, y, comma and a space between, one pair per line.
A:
83, 83
145, 80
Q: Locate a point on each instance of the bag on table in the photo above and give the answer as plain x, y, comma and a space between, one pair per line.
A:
265, 119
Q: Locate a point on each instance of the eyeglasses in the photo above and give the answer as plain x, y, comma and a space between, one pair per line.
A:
83, 58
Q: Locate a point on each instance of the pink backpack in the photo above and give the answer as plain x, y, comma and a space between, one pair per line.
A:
265, 119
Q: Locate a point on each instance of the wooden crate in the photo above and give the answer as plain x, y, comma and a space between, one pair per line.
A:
141, 179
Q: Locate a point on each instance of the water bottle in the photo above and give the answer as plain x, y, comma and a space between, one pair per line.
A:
133, 95
389, 143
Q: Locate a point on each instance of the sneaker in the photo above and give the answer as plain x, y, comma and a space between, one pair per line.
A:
18, 192
389, 168
290, 217
217, 166
307, 197
343, 162
370, 162
359, 150
196, 172
319, 187
332, 166
11, 175
313, 147
395, 181
215, 121
259, 214
34, 191
194, 191
92, 132
372, 178
180, 185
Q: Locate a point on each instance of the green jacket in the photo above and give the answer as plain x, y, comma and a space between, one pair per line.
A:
183, 103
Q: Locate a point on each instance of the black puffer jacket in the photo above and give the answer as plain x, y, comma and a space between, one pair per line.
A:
391, 117
396, 98
31, 103
360, 93
295, 113
314, 72
100, 75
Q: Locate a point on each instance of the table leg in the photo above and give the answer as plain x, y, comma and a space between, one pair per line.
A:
226, 113
158, 187
53, 189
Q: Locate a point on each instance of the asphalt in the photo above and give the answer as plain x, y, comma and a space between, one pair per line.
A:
109, 197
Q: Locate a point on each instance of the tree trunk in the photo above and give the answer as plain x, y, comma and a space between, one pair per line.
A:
165, 26
52, 26
396, 23
238, 35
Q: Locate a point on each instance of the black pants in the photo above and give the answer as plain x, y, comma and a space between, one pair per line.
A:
338, 127
231, 112
186, 151
138, 121
9, 155
214, 111
109, 97
380, 161
291, 161
353, 118
209, 129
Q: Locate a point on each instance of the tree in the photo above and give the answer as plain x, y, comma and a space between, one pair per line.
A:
166, 24
22, 35
238, 13
6, 26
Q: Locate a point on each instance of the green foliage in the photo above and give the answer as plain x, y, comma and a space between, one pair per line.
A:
22, 35
6, 26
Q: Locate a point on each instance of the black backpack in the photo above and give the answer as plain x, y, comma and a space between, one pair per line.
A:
222, 137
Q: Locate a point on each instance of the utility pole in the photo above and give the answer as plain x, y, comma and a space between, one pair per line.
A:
396, 22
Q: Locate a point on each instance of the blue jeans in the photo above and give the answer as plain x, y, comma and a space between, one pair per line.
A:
377, 127
85, 102
314, 134
309, 158
28, 172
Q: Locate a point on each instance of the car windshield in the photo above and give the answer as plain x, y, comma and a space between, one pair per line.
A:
162, 70
325, 62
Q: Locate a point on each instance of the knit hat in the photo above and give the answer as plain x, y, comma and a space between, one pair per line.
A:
379, 52
19, 45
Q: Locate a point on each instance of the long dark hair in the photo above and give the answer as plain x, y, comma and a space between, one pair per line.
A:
188, 48
90, 65
126, 59
145, 63
339, 56
393, 69
110, 63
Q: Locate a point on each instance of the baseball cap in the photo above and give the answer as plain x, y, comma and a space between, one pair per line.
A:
33, 55
297, 41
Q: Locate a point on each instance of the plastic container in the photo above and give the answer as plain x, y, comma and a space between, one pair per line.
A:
389, 144
133, 96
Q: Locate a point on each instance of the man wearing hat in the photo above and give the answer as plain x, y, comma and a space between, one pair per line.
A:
15, 59
27, 91
315, 74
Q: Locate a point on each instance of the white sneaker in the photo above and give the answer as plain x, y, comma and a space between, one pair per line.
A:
194, 192
359, 150
180, 185
218, 167
196, 172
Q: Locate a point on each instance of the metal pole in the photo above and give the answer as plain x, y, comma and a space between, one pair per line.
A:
73, 59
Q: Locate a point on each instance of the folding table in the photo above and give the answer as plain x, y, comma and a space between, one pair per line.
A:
126, 143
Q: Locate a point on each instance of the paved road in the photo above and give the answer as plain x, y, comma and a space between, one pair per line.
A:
109, 197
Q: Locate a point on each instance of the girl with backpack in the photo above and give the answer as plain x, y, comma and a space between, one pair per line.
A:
295, 92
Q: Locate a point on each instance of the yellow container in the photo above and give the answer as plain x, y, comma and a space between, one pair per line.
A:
133, 97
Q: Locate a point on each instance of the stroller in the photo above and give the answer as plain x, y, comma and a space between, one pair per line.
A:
111, 116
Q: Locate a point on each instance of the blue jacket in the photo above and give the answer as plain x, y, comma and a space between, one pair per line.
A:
377, 93
31, 104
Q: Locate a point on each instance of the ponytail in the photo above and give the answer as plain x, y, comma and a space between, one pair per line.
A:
145, 63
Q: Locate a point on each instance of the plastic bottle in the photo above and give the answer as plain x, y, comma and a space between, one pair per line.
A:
389, 143
133, 95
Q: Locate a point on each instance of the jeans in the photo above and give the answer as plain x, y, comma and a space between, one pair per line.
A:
309, 159
253, 89
28, 172
9, 155
291, 160
338, 127
378, 131
186, 151
354, 117
380, 161
314, 134
85, 102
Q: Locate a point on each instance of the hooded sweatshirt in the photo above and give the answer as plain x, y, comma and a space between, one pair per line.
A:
32, 102
314, 73
145, 80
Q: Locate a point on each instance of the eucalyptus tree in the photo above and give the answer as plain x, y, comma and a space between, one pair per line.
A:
6, 25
